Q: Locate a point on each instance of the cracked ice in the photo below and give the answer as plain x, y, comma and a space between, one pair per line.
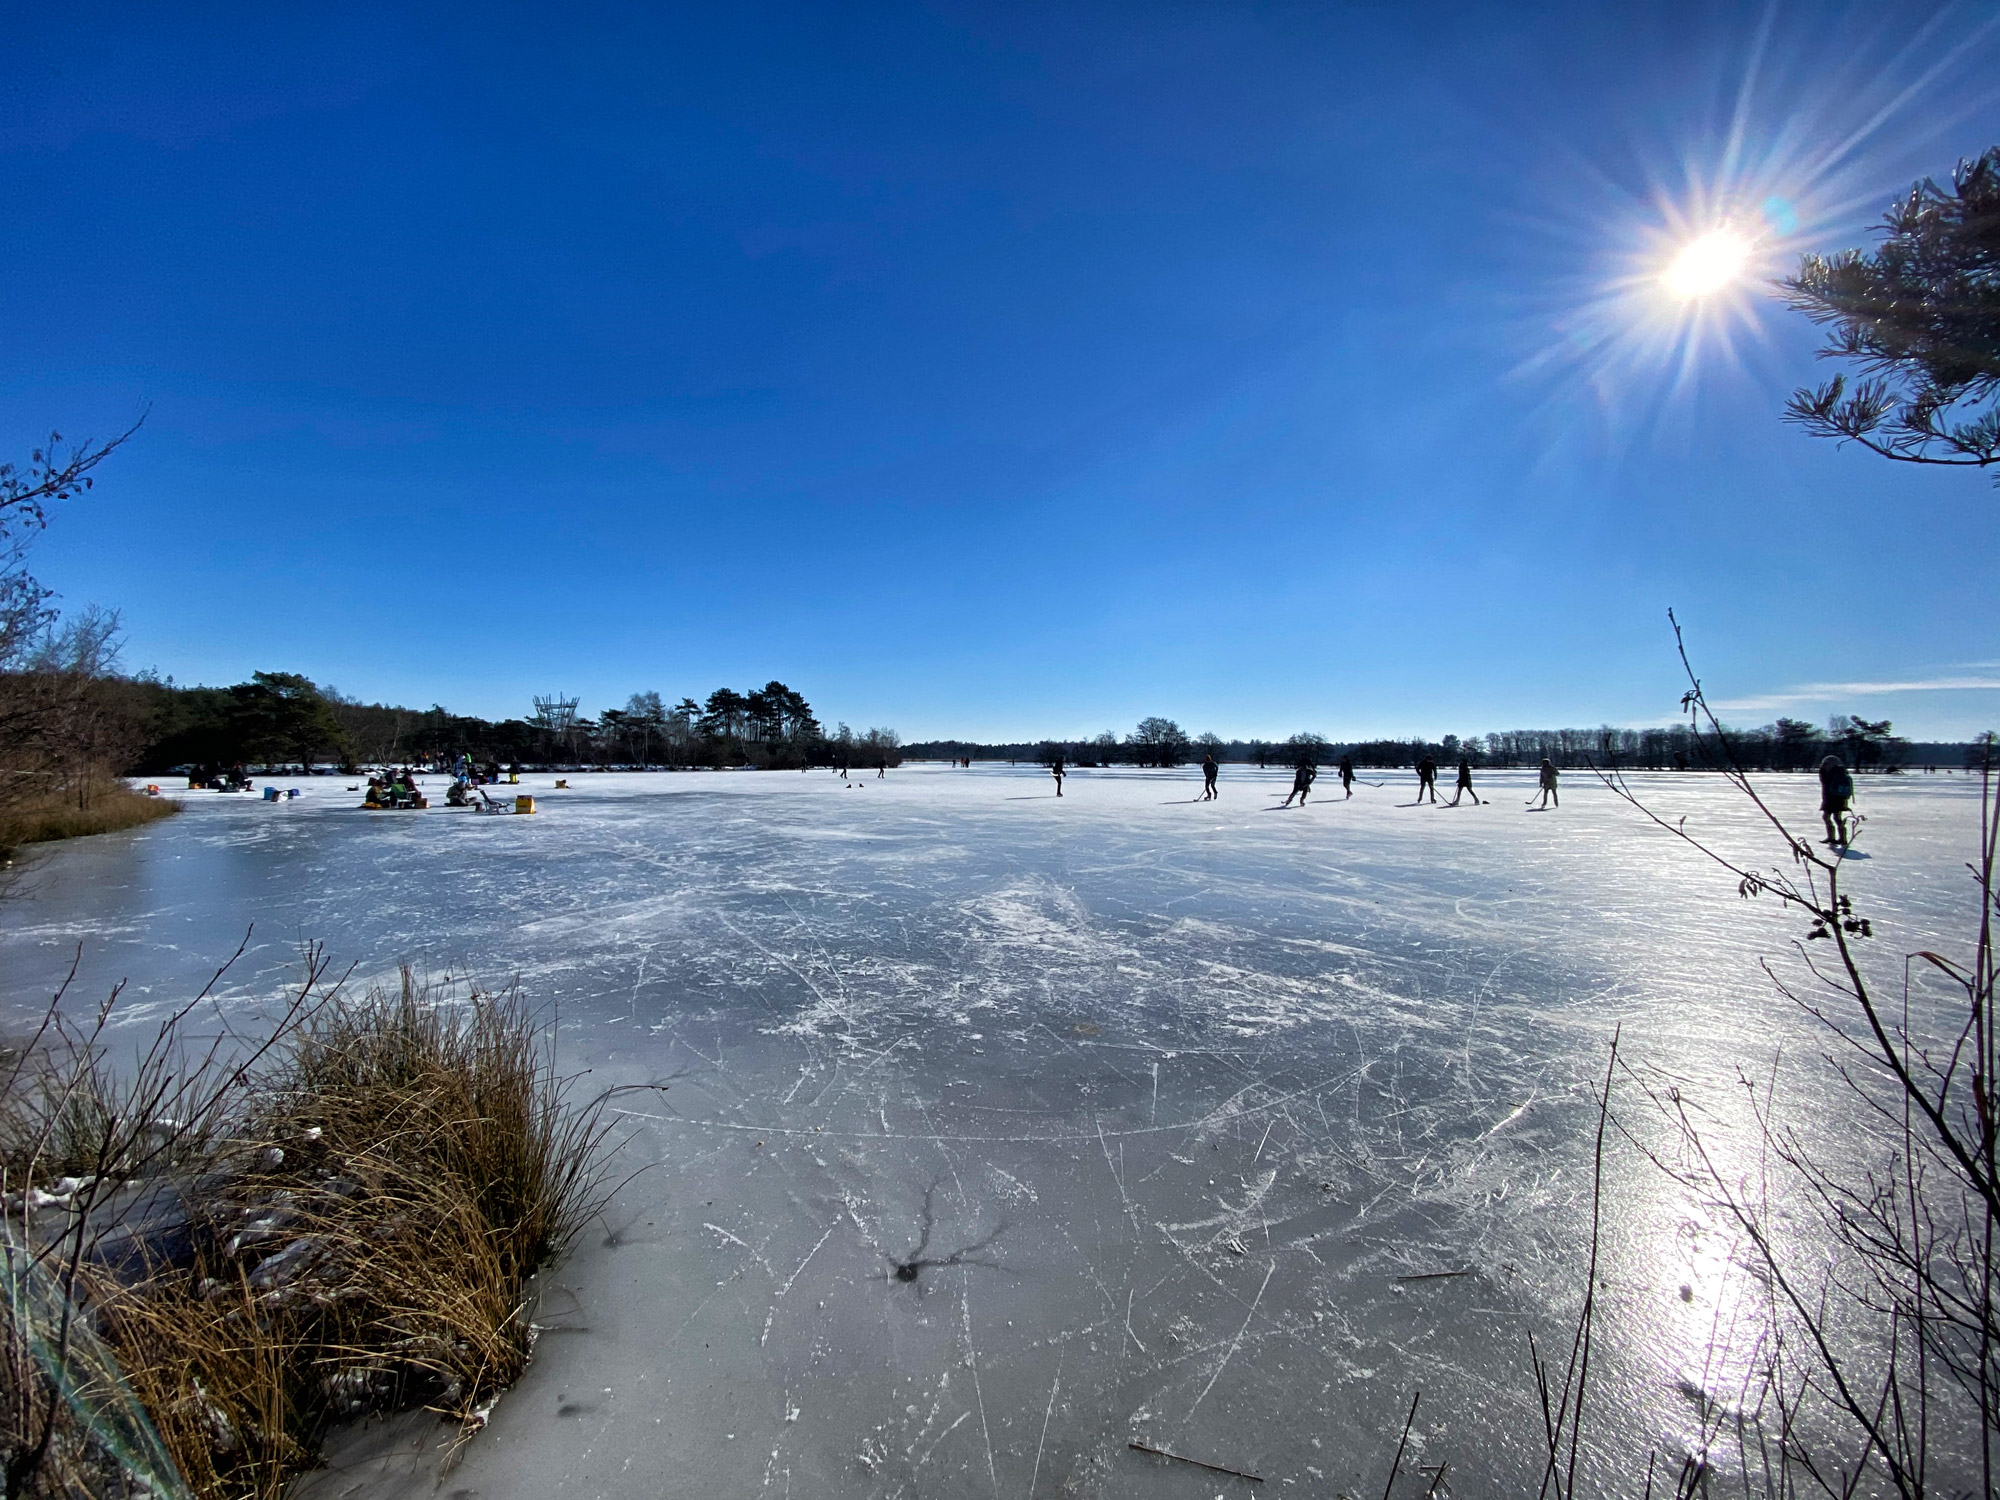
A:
1156, 1098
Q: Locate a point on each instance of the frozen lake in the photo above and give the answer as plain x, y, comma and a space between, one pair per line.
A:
1170, 1094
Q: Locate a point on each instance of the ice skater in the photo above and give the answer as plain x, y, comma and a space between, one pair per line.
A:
1550, 776
1836, 799
1347, 774
1302, 780
1208, 771
1427, 779
1056, 770
1464, 787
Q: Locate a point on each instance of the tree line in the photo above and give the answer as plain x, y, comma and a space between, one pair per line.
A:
72, 722
282, 718
1784, 745
68, 717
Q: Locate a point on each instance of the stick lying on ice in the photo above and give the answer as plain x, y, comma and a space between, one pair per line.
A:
1198, 1463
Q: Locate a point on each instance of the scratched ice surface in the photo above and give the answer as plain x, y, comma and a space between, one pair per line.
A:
1151, 1102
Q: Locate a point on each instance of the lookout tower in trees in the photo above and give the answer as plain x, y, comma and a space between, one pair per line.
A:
555, 716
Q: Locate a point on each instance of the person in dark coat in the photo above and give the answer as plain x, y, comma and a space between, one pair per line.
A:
1550, 776
1302, 780
1464, 787
1836, 800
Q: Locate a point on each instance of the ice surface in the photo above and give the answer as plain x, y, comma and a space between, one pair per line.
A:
995, 1131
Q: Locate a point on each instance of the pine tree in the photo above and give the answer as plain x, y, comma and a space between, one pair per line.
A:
1921, 319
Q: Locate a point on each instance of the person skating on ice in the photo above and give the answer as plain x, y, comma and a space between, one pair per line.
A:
1427, 779
1302, 780
1347, 774
1056, 770
1208, 770
1464, 787
1550, 776
1836, 798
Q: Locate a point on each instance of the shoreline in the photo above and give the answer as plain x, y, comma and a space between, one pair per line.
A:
115, 807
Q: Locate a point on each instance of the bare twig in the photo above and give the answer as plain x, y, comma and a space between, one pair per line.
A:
1199, 1463
1415, 1397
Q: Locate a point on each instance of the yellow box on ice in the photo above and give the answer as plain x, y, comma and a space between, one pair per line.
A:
524, 803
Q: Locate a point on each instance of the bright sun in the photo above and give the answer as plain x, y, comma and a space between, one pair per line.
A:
1707, 265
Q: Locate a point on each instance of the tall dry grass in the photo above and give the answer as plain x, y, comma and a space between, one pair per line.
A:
110, 807
467, 1092
353, 1230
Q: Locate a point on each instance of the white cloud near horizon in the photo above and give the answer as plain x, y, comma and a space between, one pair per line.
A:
1827, 692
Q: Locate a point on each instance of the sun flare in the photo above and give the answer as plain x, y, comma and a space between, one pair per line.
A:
1707, 265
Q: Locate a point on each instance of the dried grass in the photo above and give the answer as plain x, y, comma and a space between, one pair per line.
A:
356, 1234
110, 807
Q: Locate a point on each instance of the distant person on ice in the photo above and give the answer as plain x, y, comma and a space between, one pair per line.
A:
1347, 774
1056, 770
1464, 787
1427, 779
1302, 780
1549, 778
1208, 770
1836, 798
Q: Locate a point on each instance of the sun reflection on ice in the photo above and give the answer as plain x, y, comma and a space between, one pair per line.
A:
1703, 1307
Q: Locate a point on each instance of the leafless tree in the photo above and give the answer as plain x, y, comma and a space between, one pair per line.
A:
1881, 1366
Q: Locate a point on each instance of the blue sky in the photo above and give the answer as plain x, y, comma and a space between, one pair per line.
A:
995, 370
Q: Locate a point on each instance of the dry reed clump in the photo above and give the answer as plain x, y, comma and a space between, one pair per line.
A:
110, 807
355, 1236
466, 1093
91, 1159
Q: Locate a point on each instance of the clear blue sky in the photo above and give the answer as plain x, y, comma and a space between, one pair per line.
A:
996, 370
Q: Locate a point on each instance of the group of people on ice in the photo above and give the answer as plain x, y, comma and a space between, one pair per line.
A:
219, 778
1835, 803
1307, 773
396, 789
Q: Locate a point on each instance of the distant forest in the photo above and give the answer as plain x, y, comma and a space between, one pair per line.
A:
281, 718
1786, 745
